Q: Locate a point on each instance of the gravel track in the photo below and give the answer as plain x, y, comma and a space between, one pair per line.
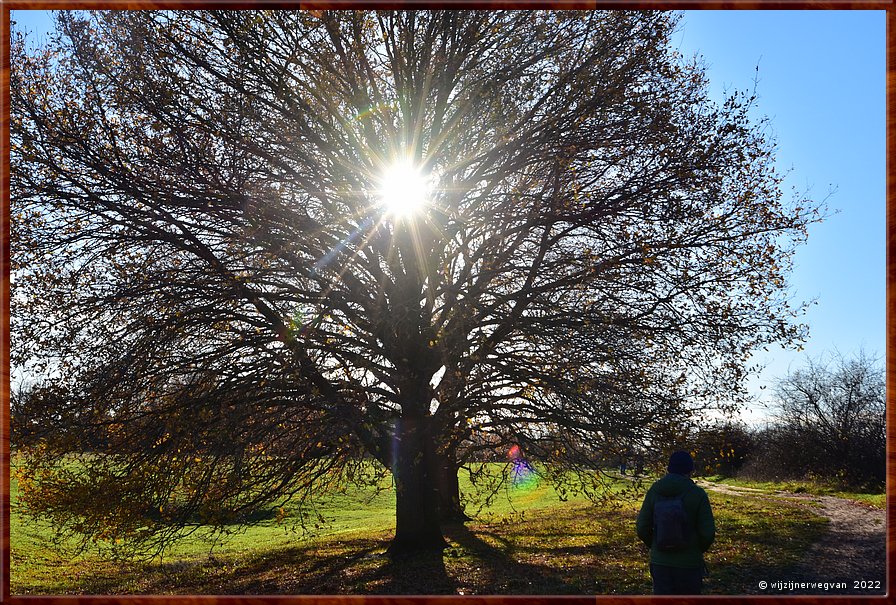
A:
852, 551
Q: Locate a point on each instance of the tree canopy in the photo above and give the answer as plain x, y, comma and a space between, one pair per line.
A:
219, 309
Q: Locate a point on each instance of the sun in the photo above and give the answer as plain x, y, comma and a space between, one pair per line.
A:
403, 189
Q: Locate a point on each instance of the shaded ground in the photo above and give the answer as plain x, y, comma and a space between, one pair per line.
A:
852, 550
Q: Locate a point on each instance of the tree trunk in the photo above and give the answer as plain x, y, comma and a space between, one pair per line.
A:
446, 469
417, 523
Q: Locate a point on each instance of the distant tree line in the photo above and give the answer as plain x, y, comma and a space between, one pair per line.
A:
828, 425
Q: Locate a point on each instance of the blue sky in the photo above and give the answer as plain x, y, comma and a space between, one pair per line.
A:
821, 80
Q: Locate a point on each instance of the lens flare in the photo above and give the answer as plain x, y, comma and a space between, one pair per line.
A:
522, 474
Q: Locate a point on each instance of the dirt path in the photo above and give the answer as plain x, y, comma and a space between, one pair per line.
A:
851, 551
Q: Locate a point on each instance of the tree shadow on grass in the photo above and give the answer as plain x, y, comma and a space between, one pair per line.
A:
499, 572
337, 567
350, 566
481, 560
421, 573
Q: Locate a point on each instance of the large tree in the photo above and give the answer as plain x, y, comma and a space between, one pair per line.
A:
221, 308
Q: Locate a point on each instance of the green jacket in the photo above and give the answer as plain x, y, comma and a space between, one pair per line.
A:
696, 506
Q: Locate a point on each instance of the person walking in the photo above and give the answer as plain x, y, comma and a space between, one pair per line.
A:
676, 522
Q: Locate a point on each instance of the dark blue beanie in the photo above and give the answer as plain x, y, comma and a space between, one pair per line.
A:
681, 462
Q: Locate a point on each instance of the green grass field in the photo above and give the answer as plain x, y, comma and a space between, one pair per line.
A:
526, 541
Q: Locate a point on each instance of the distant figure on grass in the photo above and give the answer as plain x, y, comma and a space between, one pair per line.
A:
676, 522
